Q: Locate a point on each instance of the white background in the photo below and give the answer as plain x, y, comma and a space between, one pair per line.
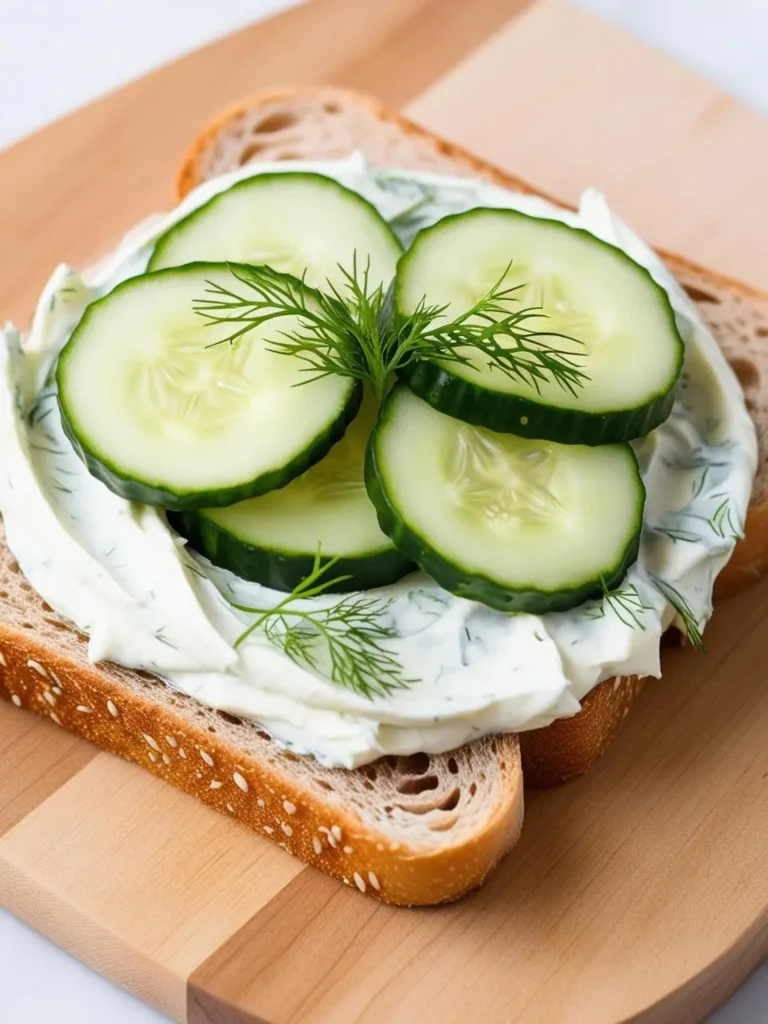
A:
57, 55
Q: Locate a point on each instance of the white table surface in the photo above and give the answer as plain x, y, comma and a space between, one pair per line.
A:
55, 56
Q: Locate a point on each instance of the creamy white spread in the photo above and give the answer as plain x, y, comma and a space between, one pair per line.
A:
118, 572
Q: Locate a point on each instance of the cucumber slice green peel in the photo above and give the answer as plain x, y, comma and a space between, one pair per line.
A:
519, 525
296, 222
274, 539
605, 312
163, 414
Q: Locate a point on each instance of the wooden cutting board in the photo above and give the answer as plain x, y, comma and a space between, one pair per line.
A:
638, 892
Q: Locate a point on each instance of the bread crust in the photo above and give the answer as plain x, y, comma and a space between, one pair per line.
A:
189, 175
168, 741
569, 746
749, 561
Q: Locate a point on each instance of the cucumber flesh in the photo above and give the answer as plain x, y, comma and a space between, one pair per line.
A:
274, 539
164, 417
516, 524
626, 338
300, 223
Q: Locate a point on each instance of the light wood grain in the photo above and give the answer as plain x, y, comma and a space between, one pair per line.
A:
122, 152
147, 884
567, 101
644, 878
36, 758
637, 892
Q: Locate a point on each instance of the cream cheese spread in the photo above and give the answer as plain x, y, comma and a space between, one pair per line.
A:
116, 570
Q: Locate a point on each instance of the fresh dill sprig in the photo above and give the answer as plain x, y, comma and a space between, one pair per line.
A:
353, 330
352, 633
625, 603
684, 613
327, 338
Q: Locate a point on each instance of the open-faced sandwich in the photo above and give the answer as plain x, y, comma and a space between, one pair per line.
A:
362, 487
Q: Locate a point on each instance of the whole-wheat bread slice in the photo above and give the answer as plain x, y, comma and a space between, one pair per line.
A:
407, 830
312, 123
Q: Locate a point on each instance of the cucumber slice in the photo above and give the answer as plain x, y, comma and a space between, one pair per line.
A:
273, 539
517, 524
630, 347
296, 222
162, 417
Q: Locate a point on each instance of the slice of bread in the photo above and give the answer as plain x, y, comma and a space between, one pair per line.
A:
416, 830
315, 123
